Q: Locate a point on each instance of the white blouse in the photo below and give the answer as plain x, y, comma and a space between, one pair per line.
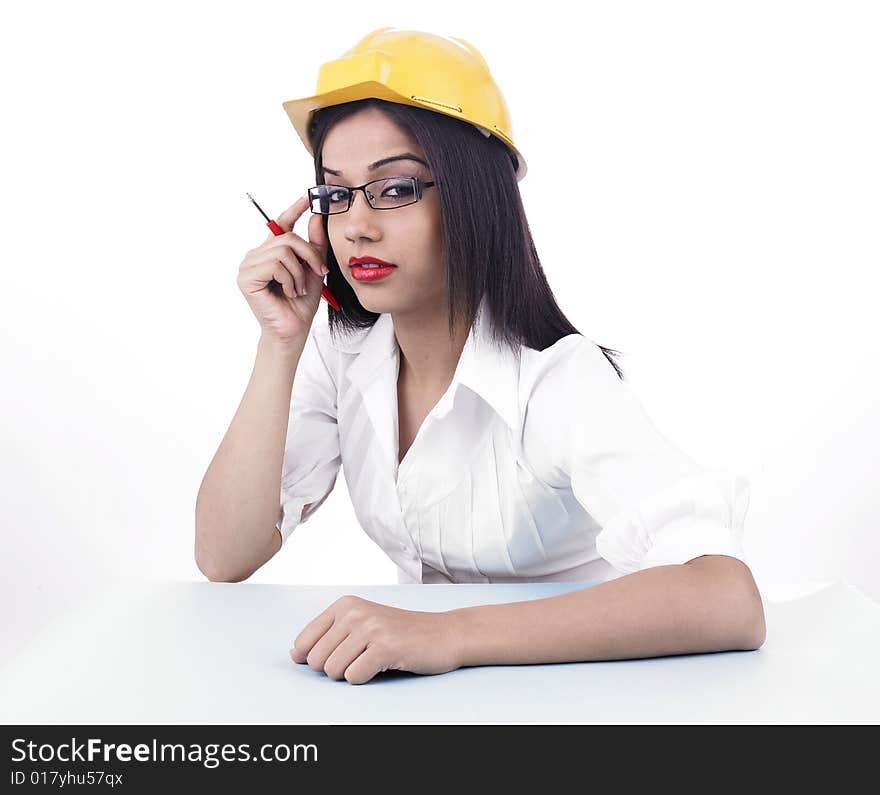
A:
537, 467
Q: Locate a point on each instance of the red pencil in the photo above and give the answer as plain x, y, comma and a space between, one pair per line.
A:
277, 230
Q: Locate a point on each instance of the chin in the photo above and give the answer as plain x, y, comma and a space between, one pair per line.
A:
372, 302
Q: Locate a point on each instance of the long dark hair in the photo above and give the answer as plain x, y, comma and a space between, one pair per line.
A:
488, 244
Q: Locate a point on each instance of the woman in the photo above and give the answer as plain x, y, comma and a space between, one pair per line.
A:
483, 438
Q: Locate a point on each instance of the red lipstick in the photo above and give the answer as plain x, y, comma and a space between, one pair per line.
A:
365, 259
362, 271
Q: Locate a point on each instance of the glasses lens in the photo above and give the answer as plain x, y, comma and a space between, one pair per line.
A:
328, 199
386, 194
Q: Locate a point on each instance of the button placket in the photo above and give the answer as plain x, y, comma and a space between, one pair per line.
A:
440, 410
406, 495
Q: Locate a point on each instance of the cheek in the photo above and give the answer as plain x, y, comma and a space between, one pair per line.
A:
424, 244
336, 241
437, 228
334, 232
430, 227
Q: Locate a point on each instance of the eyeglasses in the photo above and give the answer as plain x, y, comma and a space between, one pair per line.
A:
383, 194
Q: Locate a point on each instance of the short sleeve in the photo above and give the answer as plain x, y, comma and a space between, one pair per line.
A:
655, 505
311, 453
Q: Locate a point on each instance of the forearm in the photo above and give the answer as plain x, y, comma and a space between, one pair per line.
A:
238, 500
706, 605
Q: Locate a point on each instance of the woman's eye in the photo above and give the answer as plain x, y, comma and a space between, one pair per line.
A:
403, 188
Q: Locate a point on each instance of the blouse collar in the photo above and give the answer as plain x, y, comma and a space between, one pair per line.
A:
485, 366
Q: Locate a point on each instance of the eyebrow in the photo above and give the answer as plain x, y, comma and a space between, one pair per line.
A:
382, 162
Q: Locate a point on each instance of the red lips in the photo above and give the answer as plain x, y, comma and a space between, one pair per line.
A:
365, 260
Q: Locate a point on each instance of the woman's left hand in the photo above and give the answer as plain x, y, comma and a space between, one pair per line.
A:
355, 638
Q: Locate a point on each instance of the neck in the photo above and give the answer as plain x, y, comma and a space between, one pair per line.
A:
428, 355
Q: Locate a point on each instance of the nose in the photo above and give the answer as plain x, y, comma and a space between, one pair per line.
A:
360, 218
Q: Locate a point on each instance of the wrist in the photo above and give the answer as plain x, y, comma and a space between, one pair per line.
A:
459, 628
278, 348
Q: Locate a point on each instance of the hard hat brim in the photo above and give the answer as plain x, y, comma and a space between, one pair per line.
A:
300, 112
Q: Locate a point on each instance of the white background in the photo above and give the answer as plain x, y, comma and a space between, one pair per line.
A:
720, 171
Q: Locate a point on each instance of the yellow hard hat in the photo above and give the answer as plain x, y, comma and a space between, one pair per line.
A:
441, 73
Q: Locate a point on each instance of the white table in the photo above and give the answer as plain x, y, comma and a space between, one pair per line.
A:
163, 652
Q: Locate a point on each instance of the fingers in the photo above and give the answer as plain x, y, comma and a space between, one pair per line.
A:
293, 266
317, 242
313, 632
372, 660
327, 646
342, 661
257, 275
287, 258
283, 277
291, 215
317, 235
285, 268
305, 252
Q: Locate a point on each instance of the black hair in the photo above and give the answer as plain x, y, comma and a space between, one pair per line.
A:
488, 244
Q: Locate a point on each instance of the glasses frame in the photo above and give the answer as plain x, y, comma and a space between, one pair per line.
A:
418, 185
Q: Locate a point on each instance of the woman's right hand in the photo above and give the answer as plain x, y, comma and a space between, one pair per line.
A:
272, 276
